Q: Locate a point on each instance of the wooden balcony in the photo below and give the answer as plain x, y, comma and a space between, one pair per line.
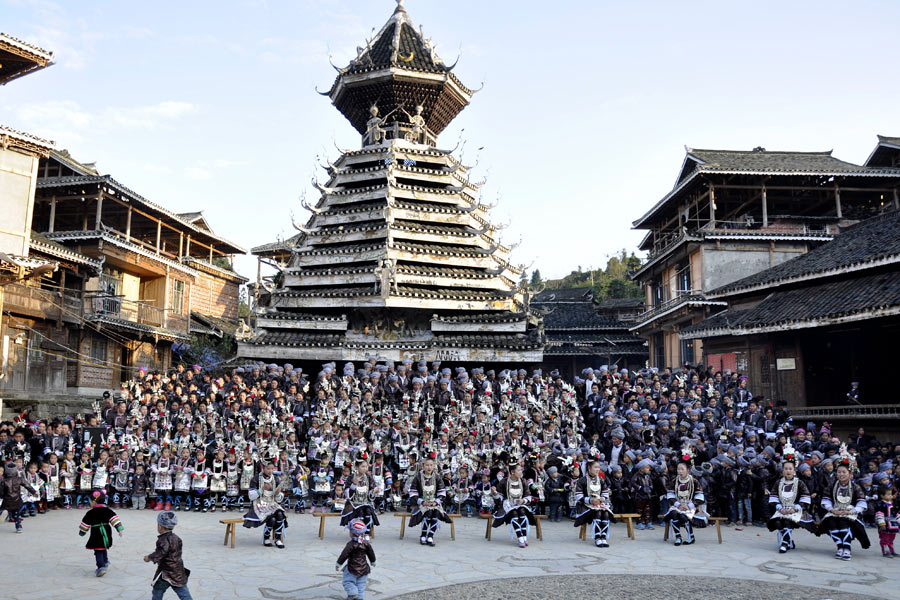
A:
39, 303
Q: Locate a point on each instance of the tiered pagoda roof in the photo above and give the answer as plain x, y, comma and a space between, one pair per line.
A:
574, 327
399, 254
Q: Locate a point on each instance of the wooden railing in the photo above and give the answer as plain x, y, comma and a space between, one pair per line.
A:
115, 306
837, 413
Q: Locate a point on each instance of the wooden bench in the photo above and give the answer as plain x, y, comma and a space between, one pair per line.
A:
718, 521
537, 526
629, 524
230, 526
323, 516
406, 515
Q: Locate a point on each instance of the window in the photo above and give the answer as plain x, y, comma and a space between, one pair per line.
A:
109, 298
659, 350
178, 297
683, 275
687, 351
98, 349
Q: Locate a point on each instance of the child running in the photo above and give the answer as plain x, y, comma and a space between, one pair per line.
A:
99, 521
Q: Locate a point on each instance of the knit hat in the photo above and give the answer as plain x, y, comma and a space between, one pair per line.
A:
167, 520
10, 469
357, 527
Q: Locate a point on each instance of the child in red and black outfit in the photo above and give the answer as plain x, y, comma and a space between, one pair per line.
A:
99, 521
886, 517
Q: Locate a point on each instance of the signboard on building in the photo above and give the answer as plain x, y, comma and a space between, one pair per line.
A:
785, 364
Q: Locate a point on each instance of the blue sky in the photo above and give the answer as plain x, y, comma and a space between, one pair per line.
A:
584, 115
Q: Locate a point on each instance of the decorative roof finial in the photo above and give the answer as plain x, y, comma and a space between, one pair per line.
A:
400, 5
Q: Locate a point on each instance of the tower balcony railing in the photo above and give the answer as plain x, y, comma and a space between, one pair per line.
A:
399, 131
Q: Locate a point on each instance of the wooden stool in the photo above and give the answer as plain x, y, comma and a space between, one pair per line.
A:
629, 525
718, 521
322, 517
230, 526
537, 526
404, 516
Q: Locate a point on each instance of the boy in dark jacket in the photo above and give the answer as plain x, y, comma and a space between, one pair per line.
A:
355, 553
11, 494
170, 571
99, 521
556, 492
642, 492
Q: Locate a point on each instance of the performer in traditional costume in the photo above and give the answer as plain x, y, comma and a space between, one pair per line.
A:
265, 509
121, 482
790, 500
248, 473
427, 491
162, 481
686, 501
515, 510
217, 481
593, 504
182, 477
232, 482
359, 498
844, 501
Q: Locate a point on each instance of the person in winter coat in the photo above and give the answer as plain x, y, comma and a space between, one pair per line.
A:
355, 554
11, 494
556, 491
170, 571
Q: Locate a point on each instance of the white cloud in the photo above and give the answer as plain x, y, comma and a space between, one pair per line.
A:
67, 121
197, 173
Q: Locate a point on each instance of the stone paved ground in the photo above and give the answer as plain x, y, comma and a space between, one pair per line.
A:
49, 559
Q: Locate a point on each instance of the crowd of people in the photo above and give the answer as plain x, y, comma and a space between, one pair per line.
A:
266, 441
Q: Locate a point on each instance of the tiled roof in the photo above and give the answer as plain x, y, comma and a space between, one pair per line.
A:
865, 244
598, 337
295, 338
297, 316
829, 302
760, 162
764, 162
620, 303
44, 245
140, 328
520, 341
580, 294
499, 317
598, 350
56, 182
575, 316
228, 326
398, 44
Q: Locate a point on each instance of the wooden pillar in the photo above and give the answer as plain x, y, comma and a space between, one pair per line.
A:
180, 245
62, 297
158, 234
128, 225
53, 213
712, 206
97, 221
210, 253
896, 198
765, 207
165, 307
187, 251
837, 200
258, 281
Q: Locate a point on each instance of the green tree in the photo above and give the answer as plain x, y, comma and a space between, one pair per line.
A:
536, 278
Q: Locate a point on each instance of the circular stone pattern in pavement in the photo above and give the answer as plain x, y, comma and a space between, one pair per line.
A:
645, 587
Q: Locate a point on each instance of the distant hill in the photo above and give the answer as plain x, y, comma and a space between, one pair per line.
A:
607, 283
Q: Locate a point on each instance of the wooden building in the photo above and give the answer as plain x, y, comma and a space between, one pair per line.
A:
805, 329
580, 332
138, 272
732, 214
399, 258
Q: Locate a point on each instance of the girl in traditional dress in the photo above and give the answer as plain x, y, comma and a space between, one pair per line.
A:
790, 502
359, 496
162, 471
516, 510
427, 491
843, 500
592, 504
686, 500
217, 481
